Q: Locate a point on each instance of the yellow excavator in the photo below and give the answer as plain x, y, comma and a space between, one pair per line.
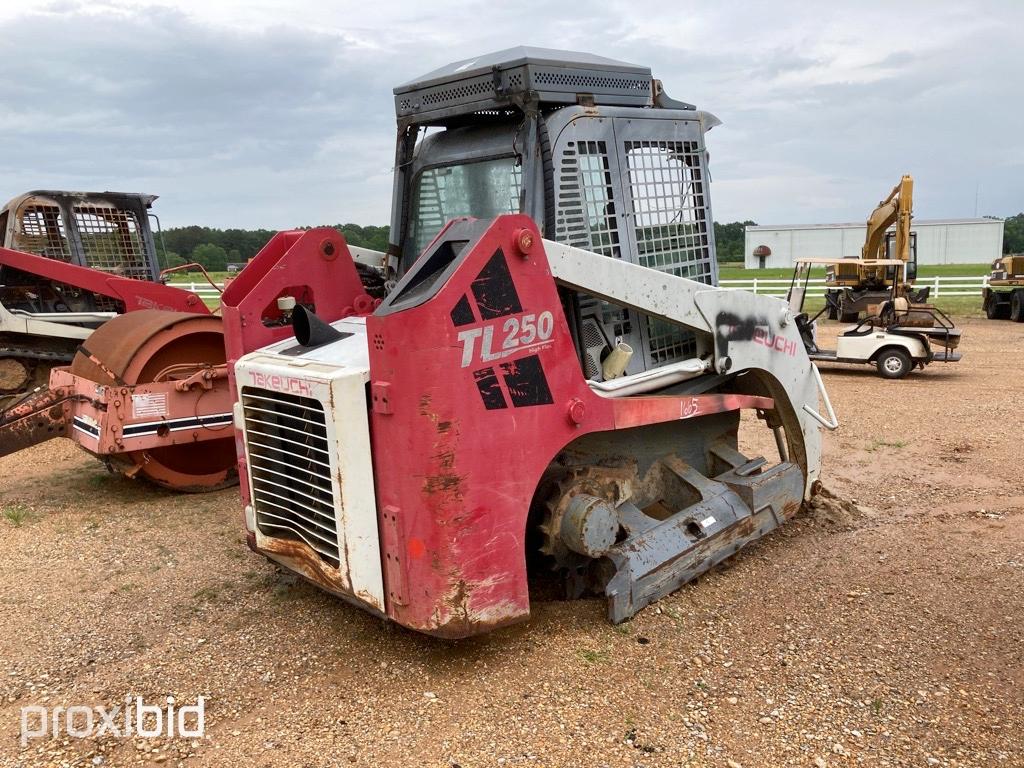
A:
854, 285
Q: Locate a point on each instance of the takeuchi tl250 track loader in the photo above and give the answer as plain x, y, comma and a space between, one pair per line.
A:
539, 370
550, 372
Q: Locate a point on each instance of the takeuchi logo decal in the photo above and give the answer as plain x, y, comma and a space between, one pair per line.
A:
279, 383
774, 342
494, 327
731, 328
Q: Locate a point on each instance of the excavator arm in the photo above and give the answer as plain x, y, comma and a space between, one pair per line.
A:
896, 208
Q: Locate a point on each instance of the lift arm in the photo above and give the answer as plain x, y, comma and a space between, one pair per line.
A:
742, 332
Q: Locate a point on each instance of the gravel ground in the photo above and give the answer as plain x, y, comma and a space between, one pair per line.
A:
881, 627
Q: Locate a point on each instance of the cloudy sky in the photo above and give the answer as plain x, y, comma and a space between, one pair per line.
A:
278, 113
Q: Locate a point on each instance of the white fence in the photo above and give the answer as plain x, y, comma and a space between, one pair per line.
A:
202, 290
940, 286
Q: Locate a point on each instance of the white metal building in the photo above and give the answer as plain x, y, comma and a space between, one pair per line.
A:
940, 241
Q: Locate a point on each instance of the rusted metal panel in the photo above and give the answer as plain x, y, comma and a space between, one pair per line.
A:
36, 419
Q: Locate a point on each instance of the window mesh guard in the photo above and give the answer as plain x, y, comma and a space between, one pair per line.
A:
42, 232
587, 217
111, 240
670, 226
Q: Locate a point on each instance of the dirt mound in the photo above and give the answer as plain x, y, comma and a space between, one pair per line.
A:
826, 508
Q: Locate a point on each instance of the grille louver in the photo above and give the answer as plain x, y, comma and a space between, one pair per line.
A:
290, 467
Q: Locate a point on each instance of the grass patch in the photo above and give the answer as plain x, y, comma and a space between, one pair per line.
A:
876, 444
206, 594
593, 657
673, 614
16, 514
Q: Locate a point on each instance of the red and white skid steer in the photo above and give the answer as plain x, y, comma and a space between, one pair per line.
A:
408, 460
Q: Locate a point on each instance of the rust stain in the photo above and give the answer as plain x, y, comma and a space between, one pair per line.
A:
445, 458
425, 407
303, 560
35, 420
447, 483
443, 484
453, 618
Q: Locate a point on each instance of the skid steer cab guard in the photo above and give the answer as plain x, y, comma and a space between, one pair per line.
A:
399, 459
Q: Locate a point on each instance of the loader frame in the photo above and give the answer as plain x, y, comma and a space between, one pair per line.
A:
473, 388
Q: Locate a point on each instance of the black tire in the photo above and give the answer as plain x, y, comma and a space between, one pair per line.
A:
893, 363
1017, 306
995, 309
849, 317
991, 306
832, 304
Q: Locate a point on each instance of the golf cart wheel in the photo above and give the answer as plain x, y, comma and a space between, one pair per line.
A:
893, 364
1017, 306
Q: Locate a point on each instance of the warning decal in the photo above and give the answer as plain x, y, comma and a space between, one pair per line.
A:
153, 404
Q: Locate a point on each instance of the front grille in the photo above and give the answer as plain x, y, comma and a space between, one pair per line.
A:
290, 468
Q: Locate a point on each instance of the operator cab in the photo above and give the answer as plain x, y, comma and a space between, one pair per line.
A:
105, 231
591, 148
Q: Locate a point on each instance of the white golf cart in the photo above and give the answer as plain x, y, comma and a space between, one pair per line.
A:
896, 335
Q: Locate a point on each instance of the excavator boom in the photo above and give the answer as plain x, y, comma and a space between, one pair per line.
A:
896, 209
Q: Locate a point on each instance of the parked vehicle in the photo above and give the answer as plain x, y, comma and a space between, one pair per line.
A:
895, 336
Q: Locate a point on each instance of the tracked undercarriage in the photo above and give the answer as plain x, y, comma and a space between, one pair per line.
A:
638, 526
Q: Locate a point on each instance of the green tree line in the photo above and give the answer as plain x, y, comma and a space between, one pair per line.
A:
216, 248
729, 239
1013, 234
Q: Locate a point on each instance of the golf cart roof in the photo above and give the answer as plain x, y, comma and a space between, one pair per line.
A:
856, 262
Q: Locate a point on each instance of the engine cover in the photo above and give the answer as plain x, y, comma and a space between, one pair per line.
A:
303, 416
